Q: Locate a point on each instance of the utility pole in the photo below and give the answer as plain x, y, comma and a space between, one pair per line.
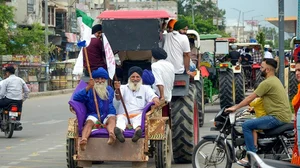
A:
193, 14
46, 28
156, 4
243, 15
281, 39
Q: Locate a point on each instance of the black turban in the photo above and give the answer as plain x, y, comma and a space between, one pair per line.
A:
96, 28
180, 24
159, 53
135, 69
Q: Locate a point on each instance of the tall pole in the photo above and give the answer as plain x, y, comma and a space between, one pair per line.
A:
46, 28
156, 4
243, 20
193, 14
106, 4
281, 39
238, 27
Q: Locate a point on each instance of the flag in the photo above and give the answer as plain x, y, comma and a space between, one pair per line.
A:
85, 23
110, 58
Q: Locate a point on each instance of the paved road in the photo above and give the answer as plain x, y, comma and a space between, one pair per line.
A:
41, 144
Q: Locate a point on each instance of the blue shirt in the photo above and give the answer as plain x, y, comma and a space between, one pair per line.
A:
105, 106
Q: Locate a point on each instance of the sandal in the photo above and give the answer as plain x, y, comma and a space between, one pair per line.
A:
83, 143
137, 135
111, 139
119, 134
243, 162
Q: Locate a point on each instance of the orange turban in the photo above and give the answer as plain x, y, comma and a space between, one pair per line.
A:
171, 23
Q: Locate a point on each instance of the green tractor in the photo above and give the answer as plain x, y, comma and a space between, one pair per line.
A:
221, 79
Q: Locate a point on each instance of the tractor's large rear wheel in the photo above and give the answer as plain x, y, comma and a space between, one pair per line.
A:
258, 77
292, 85
200, 100
185, 126
239, 80
226, 79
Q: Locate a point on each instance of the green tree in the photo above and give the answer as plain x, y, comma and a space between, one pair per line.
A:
204, 13
261, 38
27, 41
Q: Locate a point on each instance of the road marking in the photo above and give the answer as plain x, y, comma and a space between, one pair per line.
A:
42, 151
24, 158
13, 163
49, 122
34, 154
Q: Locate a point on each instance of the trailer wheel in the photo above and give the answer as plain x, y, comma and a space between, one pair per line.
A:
71, 151
185, 126
163, 150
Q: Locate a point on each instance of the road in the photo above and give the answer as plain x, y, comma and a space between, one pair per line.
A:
41, 144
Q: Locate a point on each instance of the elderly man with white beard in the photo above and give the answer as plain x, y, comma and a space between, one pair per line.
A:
105, 96
136, 96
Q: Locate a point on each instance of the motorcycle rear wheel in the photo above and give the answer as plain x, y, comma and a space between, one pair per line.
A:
204, 156
10, 130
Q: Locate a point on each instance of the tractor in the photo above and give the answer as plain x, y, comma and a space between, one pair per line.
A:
220, 76
171, 128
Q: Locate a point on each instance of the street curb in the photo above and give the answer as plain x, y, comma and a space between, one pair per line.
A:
50, 93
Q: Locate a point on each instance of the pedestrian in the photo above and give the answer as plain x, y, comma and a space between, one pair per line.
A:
164, 74
105, 96
296, 105
95, 51
136, 96
177, 47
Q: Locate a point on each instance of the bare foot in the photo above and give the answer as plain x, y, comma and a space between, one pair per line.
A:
111, 139
83, 143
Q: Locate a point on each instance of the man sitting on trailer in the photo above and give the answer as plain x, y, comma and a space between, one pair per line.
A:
105, 96
136, 96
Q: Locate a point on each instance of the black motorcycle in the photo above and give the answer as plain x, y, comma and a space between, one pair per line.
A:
216, 151
10, 119
256, 162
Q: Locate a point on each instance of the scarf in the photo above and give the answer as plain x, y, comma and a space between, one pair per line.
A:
296, 105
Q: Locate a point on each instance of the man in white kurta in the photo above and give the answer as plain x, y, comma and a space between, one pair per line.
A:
136, 96
164, 74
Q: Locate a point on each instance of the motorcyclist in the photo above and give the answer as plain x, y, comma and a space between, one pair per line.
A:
276, 104
12, 89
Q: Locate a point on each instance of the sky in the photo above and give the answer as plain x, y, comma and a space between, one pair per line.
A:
266, 8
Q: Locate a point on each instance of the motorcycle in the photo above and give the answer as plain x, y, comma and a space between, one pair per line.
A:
10, 119
216, 151
256, 162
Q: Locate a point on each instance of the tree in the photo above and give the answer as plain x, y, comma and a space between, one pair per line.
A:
261, 38
17, 40
204, 13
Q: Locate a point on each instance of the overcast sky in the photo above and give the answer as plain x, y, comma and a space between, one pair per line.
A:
266, 8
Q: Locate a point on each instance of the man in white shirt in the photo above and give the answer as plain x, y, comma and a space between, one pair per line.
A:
177, 46
12, 89
268, 53
136, 96
164, 74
